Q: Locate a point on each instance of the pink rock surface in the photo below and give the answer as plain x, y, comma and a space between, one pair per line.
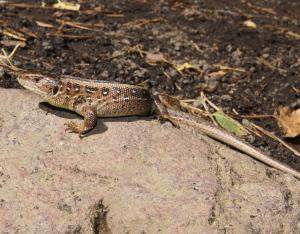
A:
152, 178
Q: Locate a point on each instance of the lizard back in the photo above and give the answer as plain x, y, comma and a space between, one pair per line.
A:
110, 99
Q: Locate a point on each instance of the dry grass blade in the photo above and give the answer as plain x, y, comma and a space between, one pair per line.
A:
204, 101
13, 34
296, 90
142, 22
284, 31
85, 26
5, 59
226, 68
43, 24
255, 116
271, 135
191, 109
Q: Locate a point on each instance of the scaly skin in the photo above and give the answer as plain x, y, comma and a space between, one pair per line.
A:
92, 99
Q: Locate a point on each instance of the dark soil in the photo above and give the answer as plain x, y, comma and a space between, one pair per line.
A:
97, 43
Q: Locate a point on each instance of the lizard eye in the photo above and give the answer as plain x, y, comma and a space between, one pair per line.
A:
55, 90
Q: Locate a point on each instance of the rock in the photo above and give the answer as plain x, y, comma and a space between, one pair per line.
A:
165, 180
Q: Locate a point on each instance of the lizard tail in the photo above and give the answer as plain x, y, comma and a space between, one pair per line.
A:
179, 117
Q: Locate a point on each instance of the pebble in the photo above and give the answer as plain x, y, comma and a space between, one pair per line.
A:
139, 73
117, 53
226, 97
229, 48
177, 45
126, 42
251, 139
211, 86
119, 66
105, 74
265, 56
47, 45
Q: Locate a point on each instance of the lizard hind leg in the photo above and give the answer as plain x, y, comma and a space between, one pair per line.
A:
89, 122
160, 108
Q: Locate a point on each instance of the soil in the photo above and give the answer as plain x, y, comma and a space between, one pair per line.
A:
106, 39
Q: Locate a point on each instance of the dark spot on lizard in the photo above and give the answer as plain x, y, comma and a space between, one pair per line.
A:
90, 89
134, 92
68, 87
138, 93
80, 100
116, 90
76, 88
55, 90
105, 91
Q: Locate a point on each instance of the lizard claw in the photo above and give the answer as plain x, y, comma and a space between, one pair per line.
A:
73, 127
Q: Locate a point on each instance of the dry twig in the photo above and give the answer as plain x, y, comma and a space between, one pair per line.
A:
271, 135
5, 59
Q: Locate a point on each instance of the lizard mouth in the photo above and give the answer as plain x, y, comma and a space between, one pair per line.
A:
30, 83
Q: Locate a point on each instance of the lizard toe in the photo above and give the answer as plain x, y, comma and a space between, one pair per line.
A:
72, 127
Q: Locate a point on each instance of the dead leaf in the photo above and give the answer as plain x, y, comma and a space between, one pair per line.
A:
289, 121
186, 66
154, 58
66, 6
217, 75
249, 24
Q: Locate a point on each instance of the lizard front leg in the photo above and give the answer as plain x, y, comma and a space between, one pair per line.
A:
160, 105
90, 120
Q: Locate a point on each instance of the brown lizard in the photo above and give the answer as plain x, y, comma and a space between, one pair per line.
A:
92, 99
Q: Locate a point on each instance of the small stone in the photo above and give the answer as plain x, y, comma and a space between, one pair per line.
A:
132, 65
252, 69
104, 74
206, 67
47, 45
119, 66
139, 73
229, 48
211, 86
117, 53
226, 97
126, 41
265, 56
245, 122
172, 72
177, 45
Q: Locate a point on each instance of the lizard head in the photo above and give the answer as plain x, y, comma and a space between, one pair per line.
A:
39, 84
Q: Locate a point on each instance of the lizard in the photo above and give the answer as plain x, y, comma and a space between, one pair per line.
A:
97, 98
